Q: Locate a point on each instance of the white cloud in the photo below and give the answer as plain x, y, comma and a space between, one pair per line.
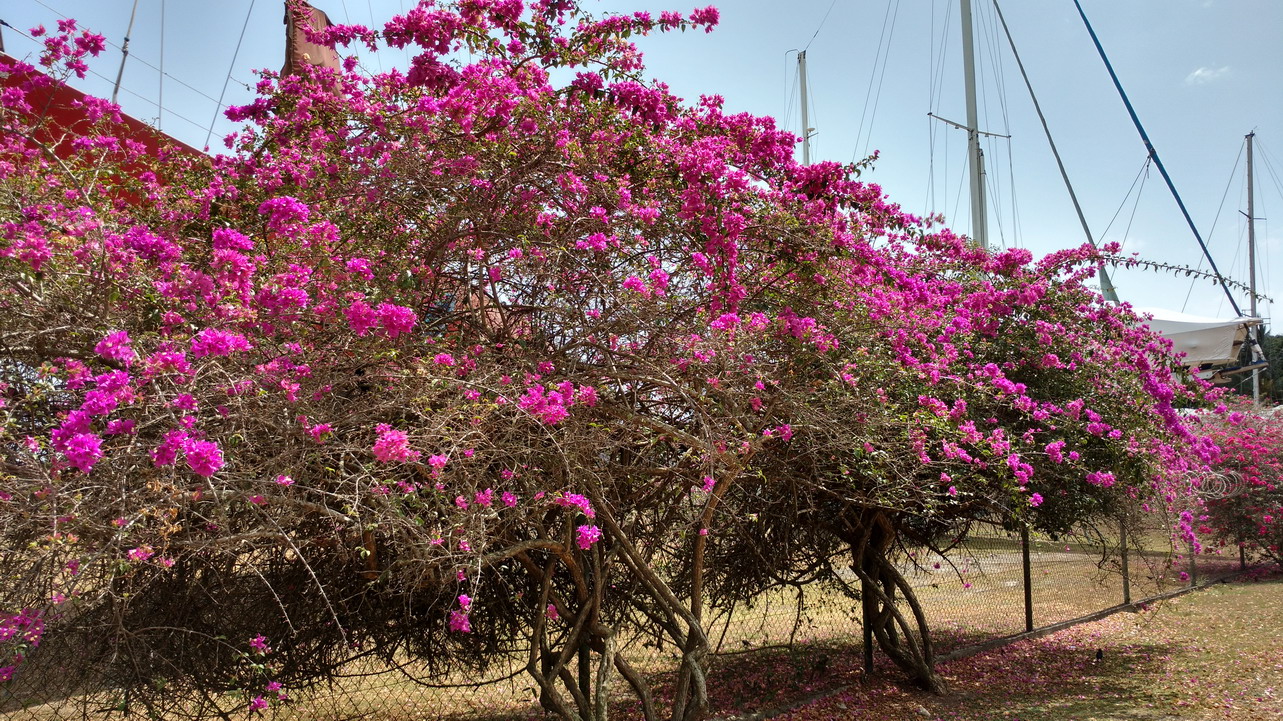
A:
1202, 76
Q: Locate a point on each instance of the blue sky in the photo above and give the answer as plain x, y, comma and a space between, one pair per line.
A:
1201, 74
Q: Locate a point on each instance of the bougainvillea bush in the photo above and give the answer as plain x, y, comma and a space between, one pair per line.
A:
517, 356
1244, 501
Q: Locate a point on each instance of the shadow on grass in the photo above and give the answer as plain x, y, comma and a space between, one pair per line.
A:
1059, 677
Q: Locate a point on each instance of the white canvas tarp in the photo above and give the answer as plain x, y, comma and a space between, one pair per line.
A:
1201, 339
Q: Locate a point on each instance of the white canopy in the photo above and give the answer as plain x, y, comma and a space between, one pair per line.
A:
1201, 339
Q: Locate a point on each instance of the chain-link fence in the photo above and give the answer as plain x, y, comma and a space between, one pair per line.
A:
791, 643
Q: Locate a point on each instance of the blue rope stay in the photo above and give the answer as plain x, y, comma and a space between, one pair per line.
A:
1158, 161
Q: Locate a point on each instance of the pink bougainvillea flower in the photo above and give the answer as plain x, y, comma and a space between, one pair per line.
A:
205, 458
116, 346
395, 319
214, 342
459, 622
576, 500
393, 446
83, 450
141, 553
586, 536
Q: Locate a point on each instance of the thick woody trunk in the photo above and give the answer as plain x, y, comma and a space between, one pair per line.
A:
904, 637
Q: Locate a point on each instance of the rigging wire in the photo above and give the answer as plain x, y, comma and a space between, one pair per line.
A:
931, 136
406, 49
817, 30
995, 194
1143, 172
106, 79
377, 55
1127, 232
1238, 252
937, 80
1229, 182
882, 42
1264, 250
235, 54
1263, 215
136, 58
814, 110
1015, 205
991, 40
790, 88
957, 198
877, 97
936, 88
1267, 156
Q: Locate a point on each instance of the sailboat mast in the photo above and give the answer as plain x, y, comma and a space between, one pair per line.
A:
1251, 269
979, 226
806, 123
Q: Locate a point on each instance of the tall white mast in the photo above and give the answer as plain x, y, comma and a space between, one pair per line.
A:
979, 226
1251, 272
806, 123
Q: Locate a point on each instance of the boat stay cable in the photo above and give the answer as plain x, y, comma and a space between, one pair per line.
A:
1228, 182
883, 51
19, 32
1158, 162
219, 108
1106, 285
137, 59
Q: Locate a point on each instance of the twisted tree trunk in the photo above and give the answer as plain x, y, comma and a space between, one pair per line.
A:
905, 639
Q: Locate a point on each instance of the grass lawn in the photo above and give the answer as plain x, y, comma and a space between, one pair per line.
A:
1212, 654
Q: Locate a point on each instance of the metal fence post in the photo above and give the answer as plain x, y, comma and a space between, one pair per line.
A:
1122, 544
866, 601
1029, 581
